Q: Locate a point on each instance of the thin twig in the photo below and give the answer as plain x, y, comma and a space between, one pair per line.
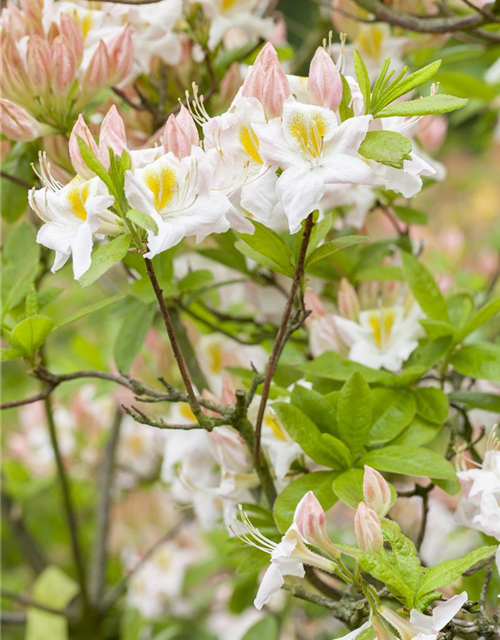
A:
281, 337
36, 398
98, 576
423, 525
28, 602
16, 180
68, 504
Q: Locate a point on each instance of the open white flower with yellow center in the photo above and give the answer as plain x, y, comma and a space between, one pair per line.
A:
288, 557
276, 442
241, 174
73, 215
177, 195
313, 150
243, 17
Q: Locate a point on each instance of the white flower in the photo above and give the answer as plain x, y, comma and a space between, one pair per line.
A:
419, 627
244, 15
73, 215
313, 150
287, 557
383, 337
176, 194
282, 450
479, 507
139, 452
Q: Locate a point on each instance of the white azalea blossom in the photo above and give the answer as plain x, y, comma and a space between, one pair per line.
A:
73, 216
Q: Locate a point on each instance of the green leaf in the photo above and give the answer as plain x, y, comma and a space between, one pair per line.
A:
387, 147
314, 405
86, 311
409, 215
393, 411
13, 196
478, 360
30, 334
439, 103
414, 80
303, 431
95, 165
480, 317
363, 79
419, 432
378, 566
424, 288
21, 255
428, 354
477, 400
410, 461
335, 245
320, 482
432, 404
333, 366
104, 258
7, 354
132, 333
345, 110
267, 244
437, 328
378, 272
354, 413
195, 280
447, 572
54, 589
348, 487
338, 450
142, 220
403, 556
265, 629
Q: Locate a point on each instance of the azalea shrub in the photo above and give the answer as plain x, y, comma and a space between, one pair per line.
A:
250, 320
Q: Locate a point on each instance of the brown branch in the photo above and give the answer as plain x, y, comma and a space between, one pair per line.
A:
281, 336
16, 180
69, 509
36, 398
104, 510
179, 358
28, 602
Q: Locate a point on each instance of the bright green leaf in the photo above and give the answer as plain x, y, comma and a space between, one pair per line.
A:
143, 220
104, 258
410, 461
432, 404
424, 288
478, 360
30, 334
393, 411
439, 103
354, 413
335, 245
388, 147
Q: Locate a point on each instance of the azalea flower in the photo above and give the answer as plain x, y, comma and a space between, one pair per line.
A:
73, 215
313, 150
177, 195
419, 626
479, 507
281, 449
288, 557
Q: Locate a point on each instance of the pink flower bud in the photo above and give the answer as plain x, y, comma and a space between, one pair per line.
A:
252, 87
367, 529
38, 63
310, 520
180, 134
324, 81
112, 135
71, 32
121, 56
62, 65
275, 90
17, 124
97, 73
347, 301
376, 492
188, 125
80, 130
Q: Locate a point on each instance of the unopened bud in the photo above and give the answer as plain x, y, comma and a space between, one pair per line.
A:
310, 520
252, 87
275, 90
62, 65
121, 56
71, 32
376, 492
112, 136
17, 124
38, 63
348, 301
324, 82
180, 134
367, 529
97, 73
80, 130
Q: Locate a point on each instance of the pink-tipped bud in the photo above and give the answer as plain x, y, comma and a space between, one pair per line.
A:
324, 82
112, 136
38, 63
376, 492
252, 87
62, 65
121, 56
275, 90
97, 73
71, 32
367, 529
310, 520
180, 134
17, 124
80, 130
347, 301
